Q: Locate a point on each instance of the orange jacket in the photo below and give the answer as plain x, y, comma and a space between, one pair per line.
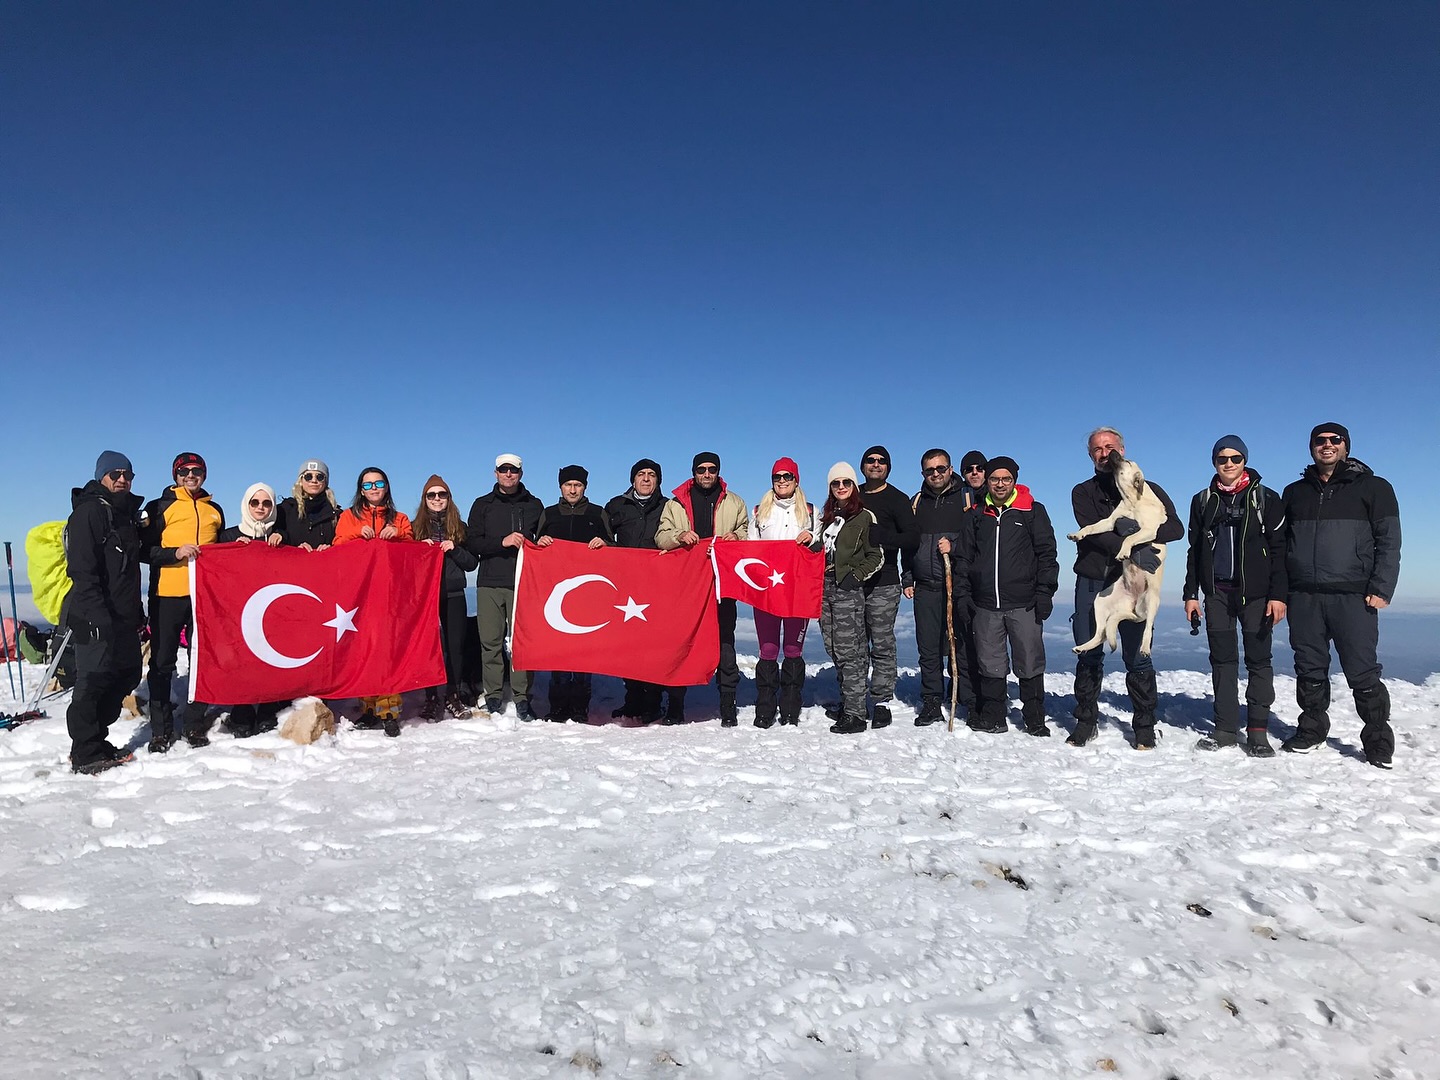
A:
349, 526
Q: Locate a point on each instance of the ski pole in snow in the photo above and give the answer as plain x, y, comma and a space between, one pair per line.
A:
950, 633
13, 647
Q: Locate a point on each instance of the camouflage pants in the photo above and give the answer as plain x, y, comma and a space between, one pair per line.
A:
842, 625
882, 606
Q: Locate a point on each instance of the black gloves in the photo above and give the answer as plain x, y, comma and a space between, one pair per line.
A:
1147, 558
1125, 526
1044, 606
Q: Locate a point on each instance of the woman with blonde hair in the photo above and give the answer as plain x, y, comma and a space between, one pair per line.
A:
783, 514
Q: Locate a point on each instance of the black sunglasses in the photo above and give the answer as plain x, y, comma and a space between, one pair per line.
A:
1229, 459
936, 470
506, 469
1330, 440
120, 474
782, 477
706, 469
313, 477
260, 504
190, 470
877, 461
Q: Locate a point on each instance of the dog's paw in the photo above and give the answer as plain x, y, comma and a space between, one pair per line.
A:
1072, 536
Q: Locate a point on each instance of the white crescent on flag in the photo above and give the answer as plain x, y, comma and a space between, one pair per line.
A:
555, 604
252, 625
740, 572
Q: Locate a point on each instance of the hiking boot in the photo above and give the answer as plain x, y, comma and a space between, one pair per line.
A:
197, 738
1379, 758
765, 721
835, 711
929, 712
1084, 733
1221, 740
392, 726
880, 716
987, 727
1259, 748
1040, 731
1145, 737
1302, 742
492, 706
456, 708
367, 721
430, 711
524, 711
848, 725
728, 711
92, 768
160, 744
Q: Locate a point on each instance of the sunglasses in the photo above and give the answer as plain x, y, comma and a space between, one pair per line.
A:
437, 494
190, 470
120, 474
782, 477
1229, 459
842, 483
1329, 440
877, 461
706, 470
313, 477
260, 504
974, 468
506, 469
374, 485
936, 470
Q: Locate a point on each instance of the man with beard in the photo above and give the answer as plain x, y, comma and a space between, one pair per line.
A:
703, 508
634, 520
895, 531
1096, 567
102, 609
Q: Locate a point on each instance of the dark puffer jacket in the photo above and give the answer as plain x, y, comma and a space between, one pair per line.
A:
1095, 500
580, 523
1254, 520
936, 515
1006, 555
492, 518
312, 524
102, 539
1342, 536
633, 521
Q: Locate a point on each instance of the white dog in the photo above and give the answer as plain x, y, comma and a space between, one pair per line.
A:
1135, 594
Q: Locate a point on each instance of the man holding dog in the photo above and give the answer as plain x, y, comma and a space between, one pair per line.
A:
1342, 555
1096, 567
1237, 557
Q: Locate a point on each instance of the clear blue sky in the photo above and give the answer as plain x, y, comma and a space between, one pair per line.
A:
420, 235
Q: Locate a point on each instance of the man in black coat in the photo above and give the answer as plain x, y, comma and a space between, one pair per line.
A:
895, 531
1096, 567
634, 518
499, 524
103, 610
1342, 556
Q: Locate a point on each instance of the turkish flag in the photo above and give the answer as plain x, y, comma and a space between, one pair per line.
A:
277, 623
778, 576
635, 613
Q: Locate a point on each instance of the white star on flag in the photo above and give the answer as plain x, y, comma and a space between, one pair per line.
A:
777, 578
631, 609
343, 622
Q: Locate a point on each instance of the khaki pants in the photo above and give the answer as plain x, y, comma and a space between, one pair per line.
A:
494, 610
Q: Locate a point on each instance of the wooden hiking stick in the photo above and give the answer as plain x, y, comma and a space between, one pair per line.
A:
950, 633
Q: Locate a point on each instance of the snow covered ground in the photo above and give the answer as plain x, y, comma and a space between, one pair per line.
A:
495, 899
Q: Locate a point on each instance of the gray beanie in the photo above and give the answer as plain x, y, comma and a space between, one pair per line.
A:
1232, 441
112, 459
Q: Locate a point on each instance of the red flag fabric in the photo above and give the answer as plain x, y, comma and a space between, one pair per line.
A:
778, 576
349, 621
631, 612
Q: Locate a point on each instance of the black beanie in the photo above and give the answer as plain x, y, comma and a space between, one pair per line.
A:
1002, 462
974, 457
1336, 429
704, 456
574, 472
645, 463
880, 450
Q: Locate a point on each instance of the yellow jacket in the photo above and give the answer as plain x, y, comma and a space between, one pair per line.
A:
173, 520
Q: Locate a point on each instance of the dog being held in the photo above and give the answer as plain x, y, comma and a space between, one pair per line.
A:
1135, 594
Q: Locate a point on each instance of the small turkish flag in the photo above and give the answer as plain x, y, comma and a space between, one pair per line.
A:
778, 576
635, 613
351, 621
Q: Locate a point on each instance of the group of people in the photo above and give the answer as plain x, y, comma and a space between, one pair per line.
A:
973, 550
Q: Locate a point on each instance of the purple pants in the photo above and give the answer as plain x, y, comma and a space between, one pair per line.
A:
773, 631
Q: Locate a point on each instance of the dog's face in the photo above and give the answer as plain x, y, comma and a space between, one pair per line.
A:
1128, 477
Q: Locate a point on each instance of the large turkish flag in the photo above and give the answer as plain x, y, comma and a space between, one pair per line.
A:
350, 621
778, 576
635, 613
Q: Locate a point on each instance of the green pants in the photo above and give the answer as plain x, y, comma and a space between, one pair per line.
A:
494, 608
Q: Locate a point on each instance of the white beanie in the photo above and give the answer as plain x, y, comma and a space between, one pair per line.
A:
841, 470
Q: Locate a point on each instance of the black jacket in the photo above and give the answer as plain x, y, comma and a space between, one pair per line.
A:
1243, 535
102, 541
894, 530
1342, 536
936, 516
632, 522
459, 561
1007, 557
581, 523
1095, 500
492, 518
314, 524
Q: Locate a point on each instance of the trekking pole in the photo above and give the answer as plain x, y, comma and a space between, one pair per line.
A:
15, 621
950, 633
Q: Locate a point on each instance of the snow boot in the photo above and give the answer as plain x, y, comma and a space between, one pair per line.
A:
1221, 740
880, 717
1032, 705
162, 726
1377, 738
992, 699
792, 685
430, 711
455, 706
767, 692
929, 712
728, 711
675, 705
1313, 697
848, 725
